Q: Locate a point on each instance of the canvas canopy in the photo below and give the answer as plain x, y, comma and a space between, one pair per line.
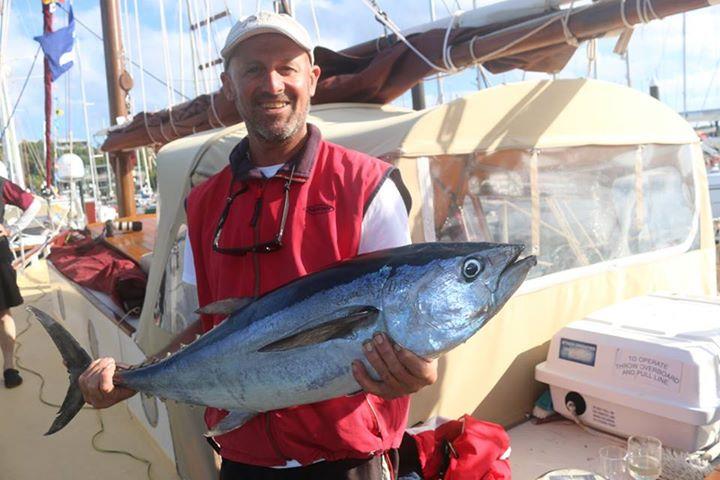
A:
529, 115
558, 123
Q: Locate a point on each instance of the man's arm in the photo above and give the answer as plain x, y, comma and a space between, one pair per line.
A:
96, 382
27, 216
402, 372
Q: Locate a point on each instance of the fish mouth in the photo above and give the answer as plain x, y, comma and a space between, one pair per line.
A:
513, 275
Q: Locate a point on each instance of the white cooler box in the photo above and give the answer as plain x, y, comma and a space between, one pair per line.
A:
649, 365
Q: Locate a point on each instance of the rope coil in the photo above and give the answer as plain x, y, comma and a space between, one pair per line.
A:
385, 20
644, 10
447, 54
623, 17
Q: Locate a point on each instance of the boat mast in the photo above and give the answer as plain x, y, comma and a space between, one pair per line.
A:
7, 123
47, 9
684, 56
119, 84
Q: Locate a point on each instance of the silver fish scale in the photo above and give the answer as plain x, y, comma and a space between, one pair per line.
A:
317, 309
240, 377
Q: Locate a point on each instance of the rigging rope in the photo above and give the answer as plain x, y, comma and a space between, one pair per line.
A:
643, 10
210, 40
127, 50
181, 49
627, 24
490, 55
142, 77
648, 5
166, 65
712, 80
99, 37
195, 49
315, 20
22, 90
385, 20
447, 57
481, 74
592, 57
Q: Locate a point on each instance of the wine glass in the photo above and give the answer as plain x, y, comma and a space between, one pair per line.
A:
644, 458
612, 462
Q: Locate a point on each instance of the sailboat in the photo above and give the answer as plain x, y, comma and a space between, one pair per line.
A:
521, 162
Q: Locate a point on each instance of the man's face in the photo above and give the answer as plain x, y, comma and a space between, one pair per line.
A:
270, 80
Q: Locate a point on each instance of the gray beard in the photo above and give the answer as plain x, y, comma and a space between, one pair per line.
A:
282, 135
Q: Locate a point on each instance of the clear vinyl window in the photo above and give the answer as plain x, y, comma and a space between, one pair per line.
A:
571, 207
177, 302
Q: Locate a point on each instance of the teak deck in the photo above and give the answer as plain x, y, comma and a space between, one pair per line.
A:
132, 244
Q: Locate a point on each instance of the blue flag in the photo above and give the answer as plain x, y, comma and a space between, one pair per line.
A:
58, 47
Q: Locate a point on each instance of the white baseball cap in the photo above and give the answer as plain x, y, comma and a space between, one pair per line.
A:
267, 22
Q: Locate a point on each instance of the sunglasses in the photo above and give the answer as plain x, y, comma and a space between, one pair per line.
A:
263, 247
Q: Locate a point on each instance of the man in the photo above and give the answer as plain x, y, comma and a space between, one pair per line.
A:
12, 194
289, 204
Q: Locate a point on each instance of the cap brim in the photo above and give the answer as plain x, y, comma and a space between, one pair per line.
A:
227, 50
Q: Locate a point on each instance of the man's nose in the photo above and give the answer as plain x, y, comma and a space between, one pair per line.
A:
273, 83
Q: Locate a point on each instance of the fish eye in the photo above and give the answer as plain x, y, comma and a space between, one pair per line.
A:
472, 268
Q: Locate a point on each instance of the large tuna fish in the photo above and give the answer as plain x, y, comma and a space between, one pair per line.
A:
295, 345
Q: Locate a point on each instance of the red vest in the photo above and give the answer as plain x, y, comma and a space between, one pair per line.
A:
331, 187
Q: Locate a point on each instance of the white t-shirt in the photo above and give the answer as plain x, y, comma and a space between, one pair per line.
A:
385, 224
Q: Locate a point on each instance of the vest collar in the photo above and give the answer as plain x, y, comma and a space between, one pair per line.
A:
243, 168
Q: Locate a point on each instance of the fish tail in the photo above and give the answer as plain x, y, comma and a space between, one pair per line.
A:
76, 359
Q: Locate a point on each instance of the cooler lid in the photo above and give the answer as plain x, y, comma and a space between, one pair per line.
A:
664, 315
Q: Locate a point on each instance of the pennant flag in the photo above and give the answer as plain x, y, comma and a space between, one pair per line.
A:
58, 47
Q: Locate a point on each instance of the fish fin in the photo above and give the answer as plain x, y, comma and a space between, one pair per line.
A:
224, 307
76, 359
335, 328
234, 419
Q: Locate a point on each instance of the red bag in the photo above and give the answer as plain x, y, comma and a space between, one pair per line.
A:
464, 449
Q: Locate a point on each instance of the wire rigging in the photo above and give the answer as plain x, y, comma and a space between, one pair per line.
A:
712, 81
142, 77
315, 20
166, 64
99, 37
22, 90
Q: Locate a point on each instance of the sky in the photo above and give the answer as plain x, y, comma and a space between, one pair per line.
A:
655, 55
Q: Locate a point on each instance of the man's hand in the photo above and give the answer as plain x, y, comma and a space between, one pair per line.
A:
96, 384
401, 371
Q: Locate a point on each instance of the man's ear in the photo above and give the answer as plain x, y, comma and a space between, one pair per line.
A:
228, 89
314, 77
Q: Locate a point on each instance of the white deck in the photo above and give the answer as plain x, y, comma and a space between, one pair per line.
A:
82, 449
538, 449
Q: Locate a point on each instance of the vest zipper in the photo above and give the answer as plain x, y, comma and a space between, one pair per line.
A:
271, 438
377, 422
256, 236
